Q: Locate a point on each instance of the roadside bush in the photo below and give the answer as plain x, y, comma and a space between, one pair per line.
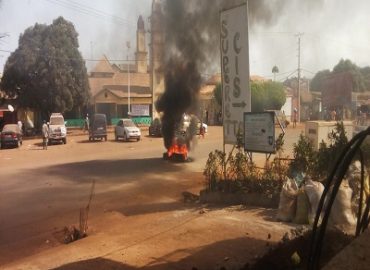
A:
328, 154
304, 157
235, 172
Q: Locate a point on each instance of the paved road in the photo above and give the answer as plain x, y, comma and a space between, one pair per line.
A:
43, 190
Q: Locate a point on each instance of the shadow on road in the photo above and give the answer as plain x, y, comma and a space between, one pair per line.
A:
92, 141
109, 170
230, 254
140, 209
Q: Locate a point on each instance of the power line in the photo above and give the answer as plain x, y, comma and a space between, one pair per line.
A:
84, 9
280, 74
306, 70
287, 77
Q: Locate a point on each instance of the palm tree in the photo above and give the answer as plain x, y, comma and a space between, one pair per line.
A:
275, 70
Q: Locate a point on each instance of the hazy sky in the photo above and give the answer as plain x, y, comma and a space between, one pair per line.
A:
332, 29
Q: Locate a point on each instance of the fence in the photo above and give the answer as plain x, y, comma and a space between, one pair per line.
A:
141, 121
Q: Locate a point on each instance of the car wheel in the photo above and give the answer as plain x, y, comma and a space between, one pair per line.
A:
138, 139
65, 140
125, 136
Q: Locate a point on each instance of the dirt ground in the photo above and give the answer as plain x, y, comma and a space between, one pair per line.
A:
137, 220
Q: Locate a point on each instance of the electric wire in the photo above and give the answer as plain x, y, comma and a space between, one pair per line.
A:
83, 9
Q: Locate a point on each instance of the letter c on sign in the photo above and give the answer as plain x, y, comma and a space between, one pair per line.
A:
237, 49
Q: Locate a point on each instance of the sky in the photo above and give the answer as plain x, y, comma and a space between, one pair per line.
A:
330, 30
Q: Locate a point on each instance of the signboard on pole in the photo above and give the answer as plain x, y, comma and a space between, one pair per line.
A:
236, 94
140, 110
259, 132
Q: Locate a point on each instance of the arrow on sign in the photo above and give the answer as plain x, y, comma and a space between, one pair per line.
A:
240, 104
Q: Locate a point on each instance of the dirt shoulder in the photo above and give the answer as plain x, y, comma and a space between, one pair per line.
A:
191, 236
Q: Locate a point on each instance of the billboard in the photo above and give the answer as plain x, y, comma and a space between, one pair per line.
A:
259, 132
140, 110
236, 95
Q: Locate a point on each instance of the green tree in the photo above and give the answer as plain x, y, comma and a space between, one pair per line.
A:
360, 76
354, 70
267, 96
365, 71
317, 82
46, 72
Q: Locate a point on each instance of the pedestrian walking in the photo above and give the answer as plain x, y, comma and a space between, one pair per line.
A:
45, 135
20, 126
284, 121
202, 130
87, 123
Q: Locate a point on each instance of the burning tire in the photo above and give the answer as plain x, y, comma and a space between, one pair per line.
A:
180, 157
177, 152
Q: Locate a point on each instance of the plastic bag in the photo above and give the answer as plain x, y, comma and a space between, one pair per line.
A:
288, 201
303, 206
313, 190
341, 215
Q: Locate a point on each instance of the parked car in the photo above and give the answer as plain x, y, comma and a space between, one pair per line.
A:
11, 135
127, 130
57, 128
98, 127
155, 128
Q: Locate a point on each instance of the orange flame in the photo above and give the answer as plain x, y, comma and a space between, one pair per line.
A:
177, 149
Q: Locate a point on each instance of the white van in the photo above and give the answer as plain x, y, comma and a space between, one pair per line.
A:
57, 128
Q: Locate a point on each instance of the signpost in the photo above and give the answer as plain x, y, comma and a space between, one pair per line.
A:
236, 94
259, 132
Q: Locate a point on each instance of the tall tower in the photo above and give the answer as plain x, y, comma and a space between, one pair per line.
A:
156, 53
141, 52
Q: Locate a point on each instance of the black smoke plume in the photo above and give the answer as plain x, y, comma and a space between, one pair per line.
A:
191, 48
180, 96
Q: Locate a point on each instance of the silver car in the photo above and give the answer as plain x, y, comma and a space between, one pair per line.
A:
127, 130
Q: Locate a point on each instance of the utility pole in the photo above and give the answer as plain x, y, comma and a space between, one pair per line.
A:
128, 79
299, 77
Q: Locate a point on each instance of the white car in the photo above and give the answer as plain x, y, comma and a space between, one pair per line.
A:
57, 128
127, 130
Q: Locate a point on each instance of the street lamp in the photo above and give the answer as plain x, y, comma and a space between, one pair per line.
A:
128, 75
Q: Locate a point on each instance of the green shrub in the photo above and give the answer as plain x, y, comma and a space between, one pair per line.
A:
328, 154
304, 157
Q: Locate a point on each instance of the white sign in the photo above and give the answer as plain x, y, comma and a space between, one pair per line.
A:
140, 110
236, 95
259, 132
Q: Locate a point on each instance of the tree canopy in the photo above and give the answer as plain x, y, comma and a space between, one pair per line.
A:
46, 72
265, 95
360, 76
